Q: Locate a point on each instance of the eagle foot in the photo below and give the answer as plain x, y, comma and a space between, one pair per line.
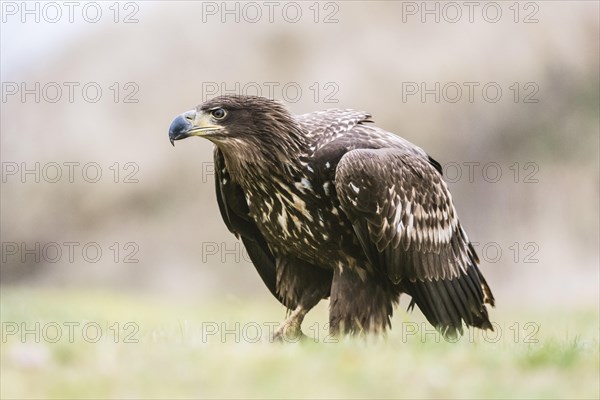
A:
290, 330
288, 334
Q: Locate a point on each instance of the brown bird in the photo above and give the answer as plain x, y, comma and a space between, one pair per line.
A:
328, 205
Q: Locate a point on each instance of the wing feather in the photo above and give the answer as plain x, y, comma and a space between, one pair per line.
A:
402, 213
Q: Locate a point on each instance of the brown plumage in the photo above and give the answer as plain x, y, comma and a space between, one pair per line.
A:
330, 205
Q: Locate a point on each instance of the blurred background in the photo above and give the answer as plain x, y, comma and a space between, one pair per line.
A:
504, 96
103, 220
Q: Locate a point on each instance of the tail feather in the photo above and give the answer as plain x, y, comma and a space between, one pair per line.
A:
446, 303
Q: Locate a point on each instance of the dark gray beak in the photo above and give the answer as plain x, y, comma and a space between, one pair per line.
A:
192, 124
179, 128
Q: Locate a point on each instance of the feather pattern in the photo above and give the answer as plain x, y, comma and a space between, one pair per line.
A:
329, 205
402, 211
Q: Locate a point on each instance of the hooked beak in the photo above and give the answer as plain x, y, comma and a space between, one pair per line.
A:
191, 123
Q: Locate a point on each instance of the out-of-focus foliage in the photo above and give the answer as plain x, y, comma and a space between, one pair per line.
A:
214, 349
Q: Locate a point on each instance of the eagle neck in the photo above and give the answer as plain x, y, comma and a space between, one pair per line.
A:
275, 156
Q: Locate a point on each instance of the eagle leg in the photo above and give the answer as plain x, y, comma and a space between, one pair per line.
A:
301, 286
291, 328
360, 303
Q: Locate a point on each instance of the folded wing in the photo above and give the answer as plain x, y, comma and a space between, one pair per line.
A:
402, 213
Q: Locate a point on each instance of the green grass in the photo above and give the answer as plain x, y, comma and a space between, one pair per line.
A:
172, 352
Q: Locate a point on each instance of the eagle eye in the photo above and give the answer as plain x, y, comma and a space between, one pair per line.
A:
218, 113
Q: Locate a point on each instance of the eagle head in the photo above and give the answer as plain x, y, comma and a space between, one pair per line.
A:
236, 118
249, 130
